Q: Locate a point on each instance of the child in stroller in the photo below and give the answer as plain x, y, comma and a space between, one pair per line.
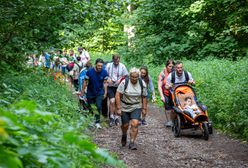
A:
191, 108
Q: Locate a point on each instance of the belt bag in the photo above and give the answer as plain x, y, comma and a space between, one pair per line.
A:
129, 103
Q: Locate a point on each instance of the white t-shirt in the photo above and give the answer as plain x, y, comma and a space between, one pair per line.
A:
85, 57
64, 61
115, 73
178, 79
131, 99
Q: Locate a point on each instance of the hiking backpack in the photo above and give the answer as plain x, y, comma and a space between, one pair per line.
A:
127, 81
70, 66
173, 76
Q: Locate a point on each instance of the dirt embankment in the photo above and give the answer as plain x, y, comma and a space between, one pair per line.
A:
157, 147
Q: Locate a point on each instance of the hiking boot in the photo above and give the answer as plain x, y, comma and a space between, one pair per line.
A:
117, 121
143, 122
124, 140
132, 146
111, 122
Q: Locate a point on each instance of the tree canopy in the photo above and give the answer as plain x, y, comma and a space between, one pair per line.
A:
193, 29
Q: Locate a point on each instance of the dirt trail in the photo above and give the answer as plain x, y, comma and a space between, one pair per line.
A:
157, 147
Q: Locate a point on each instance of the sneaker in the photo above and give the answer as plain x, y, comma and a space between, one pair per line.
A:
168, 124
124, 140
132, 146
111, 122
143, 122
117, 121
98, 126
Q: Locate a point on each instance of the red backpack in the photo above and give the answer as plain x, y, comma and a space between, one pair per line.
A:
70, 66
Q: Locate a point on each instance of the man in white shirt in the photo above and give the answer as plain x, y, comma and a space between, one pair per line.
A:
179, 76
116, 72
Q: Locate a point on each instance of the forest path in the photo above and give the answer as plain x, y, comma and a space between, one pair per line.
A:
157, 147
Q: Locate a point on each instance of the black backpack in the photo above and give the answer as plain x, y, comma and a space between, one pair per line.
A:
173, 76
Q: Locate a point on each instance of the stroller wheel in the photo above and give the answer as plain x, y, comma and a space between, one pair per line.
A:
177, 127
205, 130
210, 127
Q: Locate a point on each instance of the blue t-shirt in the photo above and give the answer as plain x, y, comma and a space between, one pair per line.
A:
95, 82
48, 60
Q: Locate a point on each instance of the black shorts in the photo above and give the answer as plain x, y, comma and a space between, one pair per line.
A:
168, 104
111, 92
127, 116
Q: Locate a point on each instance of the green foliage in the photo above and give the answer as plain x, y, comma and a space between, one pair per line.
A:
193, 29
40, 125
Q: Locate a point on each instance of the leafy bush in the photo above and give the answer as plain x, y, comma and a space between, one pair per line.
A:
40, 126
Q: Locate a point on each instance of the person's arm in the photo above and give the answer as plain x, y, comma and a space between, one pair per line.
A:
84, 87
118, 95
144, 100
152, 89
160, 83
86, 81
105, 84
191, 80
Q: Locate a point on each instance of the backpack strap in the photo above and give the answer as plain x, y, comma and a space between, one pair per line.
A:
142, 87
80, 67
186, 76
126, 82
140, 82
173, 76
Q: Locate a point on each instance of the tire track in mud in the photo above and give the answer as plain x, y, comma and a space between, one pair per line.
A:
157, 147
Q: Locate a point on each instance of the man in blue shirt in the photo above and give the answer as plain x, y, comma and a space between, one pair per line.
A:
96, 82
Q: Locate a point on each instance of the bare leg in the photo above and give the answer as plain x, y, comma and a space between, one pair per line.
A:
134, 130
124, 128
112, 111
112, 106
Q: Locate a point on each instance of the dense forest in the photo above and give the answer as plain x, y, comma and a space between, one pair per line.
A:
38, 128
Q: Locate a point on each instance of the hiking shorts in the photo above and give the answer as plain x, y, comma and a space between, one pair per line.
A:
111, 92
127, 116
168, 104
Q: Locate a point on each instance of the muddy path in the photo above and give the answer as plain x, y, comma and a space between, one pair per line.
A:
157, 147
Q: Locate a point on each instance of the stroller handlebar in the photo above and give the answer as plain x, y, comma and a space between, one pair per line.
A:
181, 83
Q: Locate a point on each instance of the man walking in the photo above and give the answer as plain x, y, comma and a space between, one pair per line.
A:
116, 71
96, 82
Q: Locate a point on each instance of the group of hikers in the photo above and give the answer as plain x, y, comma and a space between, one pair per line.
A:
127, 92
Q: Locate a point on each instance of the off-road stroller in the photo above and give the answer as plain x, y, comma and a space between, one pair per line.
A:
184, 119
